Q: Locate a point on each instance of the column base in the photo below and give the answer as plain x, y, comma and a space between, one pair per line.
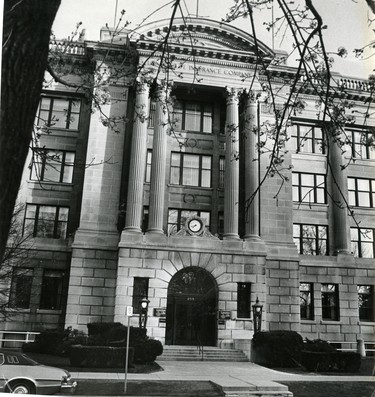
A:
131, 229
231, 236
155, 231
252, 237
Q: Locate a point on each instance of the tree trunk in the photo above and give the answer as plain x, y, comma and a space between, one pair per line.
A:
26, 33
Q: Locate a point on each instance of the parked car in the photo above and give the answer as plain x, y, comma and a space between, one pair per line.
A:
22, 375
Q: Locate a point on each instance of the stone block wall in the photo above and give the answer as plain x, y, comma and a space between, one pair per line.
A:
282, 280
347, 272
91, 295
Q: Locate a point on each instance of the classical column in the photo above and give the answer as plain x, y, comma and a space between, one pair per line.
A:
337, 187
134, 205
158, 162
251, 168
231, 181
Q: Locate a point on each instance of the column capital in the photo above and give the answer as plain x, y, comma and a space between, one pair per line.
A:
233, 94
251, 95
143, 84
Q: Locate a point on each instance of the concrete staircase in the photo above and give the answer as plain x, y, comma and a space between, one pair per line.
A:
191, 353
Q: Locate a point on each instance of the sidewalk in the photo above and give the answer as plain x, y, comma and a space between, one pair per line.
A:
230, 376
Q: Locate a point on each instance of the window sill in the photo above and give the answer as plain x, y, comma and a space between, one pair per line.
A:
190, 187
49, 311
329, 322
17, 310
243, 319
368, 323
307, 321
63, 185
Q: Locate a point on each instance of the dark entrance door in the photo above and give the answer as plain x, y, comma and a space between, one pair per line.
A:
191, 308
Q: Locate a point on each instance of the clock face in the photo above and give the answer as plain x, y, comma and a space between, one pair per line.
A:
195, 225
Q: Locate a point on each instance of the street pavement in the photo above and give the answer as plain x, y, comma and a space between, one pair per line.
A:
230, 376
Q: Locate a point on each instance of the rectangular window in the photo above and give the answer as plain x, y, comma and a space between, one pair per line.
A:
53, 166
309, 188
145, 218
193, 116
59, 112
20, 290
330, 302
151, 118
46, 221
221, 172
362, 144
148, 166
361, 192
307, 139
311, 239
140, 291
178, 217
366, 302
190, 169
306, 296
52, 289
243, 300
362, 242
220, 223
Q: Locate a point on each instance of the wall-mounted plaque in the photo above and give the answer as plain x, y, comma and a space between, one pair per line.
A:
224, 315
160, 311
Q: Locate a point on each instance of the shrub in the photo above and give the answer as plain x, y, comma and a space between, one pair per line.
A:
99, 356
100, 328
318, 346
277, 348
31, 347
50, 340
331, 361
147, 351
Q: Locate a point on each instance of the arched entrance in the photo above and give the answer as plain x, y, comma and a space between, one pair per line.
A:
191, 308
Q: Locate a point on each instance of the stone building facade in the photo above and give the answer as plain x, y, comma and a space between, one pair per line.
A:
165, 214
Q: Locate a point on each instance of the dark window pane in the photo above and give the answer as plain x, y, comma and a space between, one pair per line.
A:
20, 291
243, 300
52, 287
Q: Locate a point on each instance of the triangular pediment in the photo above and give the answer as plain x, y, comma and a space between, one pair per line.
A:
202, 35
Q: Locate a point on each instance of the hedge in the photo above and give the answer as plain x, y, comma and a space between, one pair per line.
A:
99, 356
331, 361
97, 328
277, 348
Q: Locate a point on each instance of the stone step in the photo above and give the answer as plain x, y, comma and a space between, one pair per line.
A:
210, 353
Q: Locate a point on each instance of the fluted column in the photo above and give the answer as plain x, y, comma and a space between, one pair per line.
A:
337, 185
251, 168
158, 162
137, 166
231, 181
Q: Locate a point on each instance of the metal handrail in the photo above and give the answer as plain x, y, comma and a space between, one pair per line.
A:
29, 336
200, 347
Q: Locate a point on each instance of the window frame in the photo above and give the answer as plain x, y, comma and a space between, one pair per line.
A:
360, 235
315, 188
28, 273
355, 192
47, 123
244, 299
316, 142
369, 154
366, 308
37, 220
45, 293
144, 290
309, 306
148, 166
181, 169
180, 125
333, 309
317, 239
40, 176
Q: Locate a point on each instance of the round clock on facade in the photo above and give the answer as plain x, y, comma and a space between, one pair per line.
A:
195, 225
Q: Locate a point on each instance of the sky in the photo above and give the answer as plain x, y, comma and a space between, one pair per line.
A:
346, 22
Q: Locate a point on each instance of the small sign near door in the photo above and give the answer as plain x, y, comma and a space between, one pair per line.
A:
160, 311
224, 315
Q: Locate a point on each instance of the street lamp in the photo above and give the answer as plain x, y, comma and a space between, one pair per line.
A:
143, 313
257, 316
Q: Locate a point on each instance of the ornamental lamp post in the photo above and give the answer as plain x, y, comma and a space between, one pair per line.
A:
257, 316
143, 313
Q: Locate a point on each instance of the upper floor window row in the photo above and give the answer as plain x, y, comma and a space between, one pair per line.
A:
311, 239
59, 112
52, 166
361, 192
309, 188
307, 139
46, 221
362, 144
191, 169
191, 116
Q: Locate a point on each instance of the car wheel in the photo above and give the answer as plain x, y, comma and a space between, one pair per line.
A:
21, 387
